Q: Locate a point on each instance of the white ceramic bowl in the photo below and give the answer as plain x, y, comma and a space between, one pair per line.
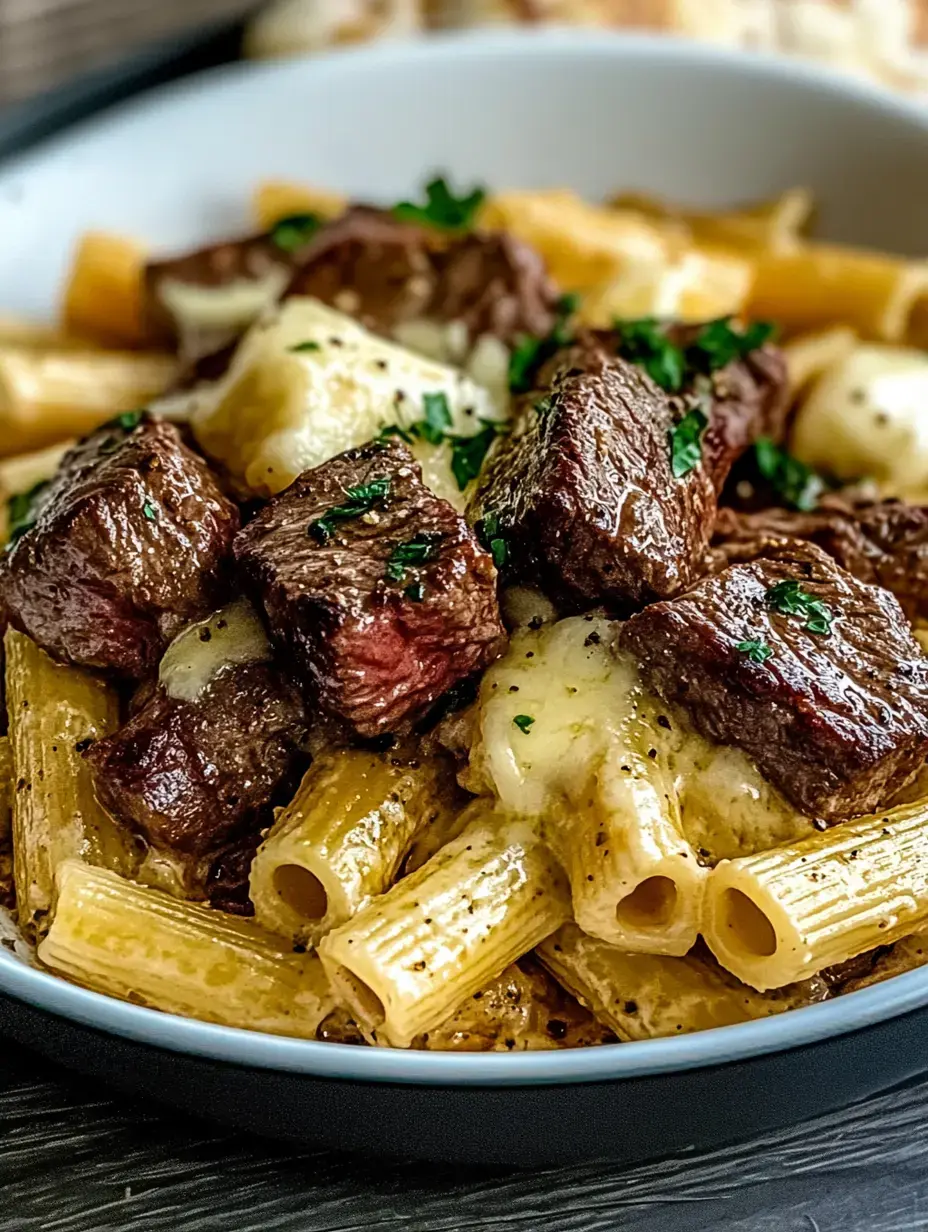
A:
595, 112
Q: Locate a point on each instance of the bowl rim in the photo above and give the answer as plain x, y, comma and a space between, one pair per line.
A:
796, 1028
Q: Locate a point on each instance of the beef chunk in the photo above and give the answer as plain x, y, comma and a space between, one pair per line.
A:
128, 545
181, 309
384, 272
883, 542
376, 589
836, 720
370, 265
584, 491
228, 876
496, 285
191, 775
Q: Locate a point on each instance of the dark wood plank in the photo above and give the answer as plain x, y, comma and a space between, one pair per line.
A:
73, 1159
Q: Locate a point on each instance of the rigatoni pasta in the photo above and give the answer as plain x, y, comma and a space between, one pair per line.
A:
146, 947
55, 713
341, 840
405, 961
784, 914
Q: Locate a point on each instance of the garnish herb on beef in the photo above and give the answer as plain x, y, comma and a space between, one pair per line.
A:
359, 501
130, 542
530, 352
792, 599
883, 542
686, 443
370, 653
836, 723
611, 494
295, 231
757, 650
442, 209
798, 486
673, 364
417, 551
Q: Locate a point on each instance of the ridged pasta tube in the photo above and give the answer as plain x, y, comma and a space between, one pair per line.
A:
341, 840
54, 713
646, 996
6, 789
441, 934
143, 946
784, 914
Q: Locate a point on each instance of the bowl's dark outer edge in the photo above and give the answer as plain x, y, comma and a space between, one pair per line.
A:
628, 1120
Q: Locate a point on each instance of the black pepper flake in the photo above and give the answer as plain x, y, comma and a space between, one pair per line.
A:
630, 1007
820, 824
205, 635
557, 1028
652, 753
510, 1044
299, 947
535, 623
419, 966
600, 839
592, 639
663, 721
83, 745
589, 876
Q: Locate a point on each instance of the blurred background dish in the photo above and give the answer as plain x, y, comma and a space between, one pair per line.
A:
46, 43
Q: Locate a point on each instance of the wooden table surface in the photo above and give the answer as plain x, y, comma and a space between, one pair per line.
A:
74, 1158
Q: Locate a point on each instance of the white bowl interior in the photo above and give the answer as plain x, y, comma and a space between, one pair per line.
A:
597, 113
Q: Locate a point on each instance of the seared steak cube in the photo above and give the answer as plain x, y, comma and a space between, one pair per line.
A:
494, 284
814, 674
191, 774
385, 272
588, 493
884, 542
376, 589
370, 265
128, 545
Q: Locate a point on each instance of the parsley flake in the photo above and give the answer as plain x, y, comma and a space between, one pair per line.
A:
416, 551
391, 430
442, 209
128, 420
300, 347
523, 722
756, 650
529, 352
719, 344
359, 500
646, 344
790, 598
292, 232
415, 591
437, 418
469, 452
21, 510
489, 533
797, 485
150, 511
686, 443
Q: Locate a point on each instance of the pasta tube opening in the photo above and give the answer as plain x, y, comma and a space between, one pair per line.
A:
785, 914
301, 891
651, 904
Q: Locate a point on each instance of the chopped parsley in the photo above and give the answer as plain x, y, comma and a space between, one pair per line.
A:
719, 344
128, 420
756, 650
359, 500
797, 485
21, 511
442, 209
490, 534
292, 232
792, 599
415, 591
529, 352
686, 443
150, 511
645, 342
523, 722
437, 420
416, 551
309, 345
468, 452
390, 430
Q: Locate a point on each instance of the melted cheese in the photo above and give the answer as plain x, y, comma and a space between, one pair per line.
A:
591, 714
309, 383
866, 419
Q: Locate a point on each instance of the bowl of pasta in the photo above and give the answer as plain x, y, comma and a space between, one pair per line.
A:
465, 596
